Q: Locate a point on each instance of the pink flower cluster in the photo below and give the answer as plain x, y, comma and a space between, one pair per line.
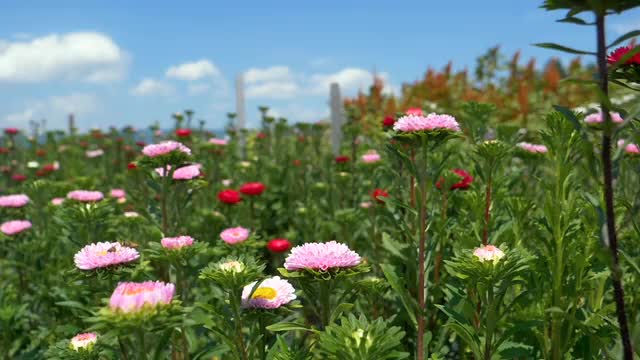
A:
371, 157
234, 235
94, 153
163, 148
14, 201
184, 173
104, 254
219, 142
597, 118
57, 201
631, 149
85, 195
533, 148
433, 121
117, 193
488, 253
321, 256
83, 341
131, 297
15, 226
176, 242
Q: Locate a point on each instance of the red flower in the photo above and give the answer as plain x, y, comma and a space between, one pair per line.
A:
279, 245
18, 177
301, 138
388, 121
341, 159
119, 140
11, 131
229, 196
252, 188
466, 181
48, 168
4, 150
141, 143
183, 133
41, 152
84, 144
132, 166
261, 135
618, 53
414, 111
297, 162
377, 194
41, 172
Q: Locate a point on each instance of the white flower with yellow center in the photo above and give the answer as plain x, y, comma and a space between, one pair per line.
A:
270, 294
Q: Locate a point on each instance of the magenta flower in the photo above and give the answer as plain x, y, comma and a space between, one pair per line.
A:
370, 157
85, 195
15, 226
164, 148
104, 254
176, 242
431, 122
321, 256
234, 235
14, 201
118, 193
219, 142
631, 149
596, 118
532, 148
83, 341
270, 294
131, 297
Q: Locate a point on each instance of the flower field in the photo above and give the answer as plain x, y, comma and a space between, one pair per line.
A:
455, 222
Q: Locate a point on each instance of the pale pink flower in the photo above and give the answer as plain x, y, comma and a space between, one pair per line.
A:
85, 195
532, 148
631, 149
131, 297
83, 341
488, 253
597, 118
104, 254
94, 153
14, 201
370, 157
431, 122
164, 148
219, 142
176, 242
234, 235
130, 214
183, 173
227, 182
118, 193
15, 226
366, 204
271, 293
57, 201
232, 266
321, 256
157, 133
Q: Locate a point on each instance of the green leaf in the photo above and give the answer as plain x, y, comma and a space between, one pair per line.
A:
512, 350
394, 281
558, 47
339, 310
629, 35
288, 326
574, 20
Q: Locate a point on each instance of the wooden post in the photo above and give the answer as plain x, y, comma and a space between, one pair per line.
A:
239, 121
337, 117
72, 125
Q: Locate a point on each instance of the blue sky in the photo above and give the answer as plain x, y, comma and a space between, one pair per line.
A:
134, 62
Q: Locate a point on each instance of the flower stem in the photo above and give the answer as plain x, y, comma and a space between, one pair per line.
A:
235, 302
325, 303
421, 258
608, 194
487, 210
141, 345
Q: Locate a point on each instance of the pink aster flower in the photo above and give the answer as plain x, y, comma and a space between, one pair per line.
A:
85, 195
227, 182
488, 253
234, 235
131, 297
94, 153
104, 254
596, 118
414, 111
118, 193
183, 173
532, 148
164, 148
321, 256
57, 201
366, 204
15, 226
370, 157
631, 149
176, 242
83, 341
14, 201
219, 142
270, 294
433, 121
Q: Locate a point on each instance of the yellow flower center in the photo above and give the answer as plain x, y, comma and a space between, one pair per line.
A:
264, 293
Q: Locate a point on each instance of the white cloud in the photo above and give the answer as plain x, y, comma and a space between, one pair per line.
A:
83, 56
274, 73
55, 109
349, 79
193, 71
272, 90
152, 87
300, 113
